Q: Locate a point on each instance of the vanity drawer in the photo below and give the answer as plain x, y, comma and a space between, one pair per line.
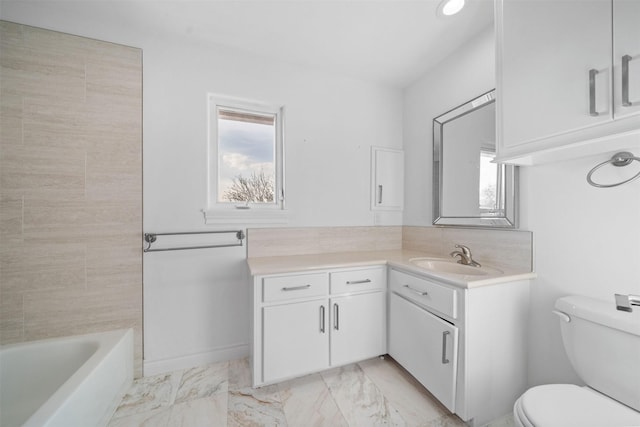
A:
425, 292
282, 288
358, 280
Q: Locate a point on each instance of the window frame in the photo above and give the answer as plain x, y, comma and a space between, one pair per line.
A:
230, 212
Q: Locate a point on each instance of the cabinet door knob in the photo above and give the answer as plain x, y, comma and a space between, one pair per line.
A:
444, 347
625, 81
592, 92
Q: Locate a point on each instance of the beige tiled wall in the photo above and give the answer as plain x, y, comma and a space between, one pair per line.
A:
318, 240
507, 248
70, 186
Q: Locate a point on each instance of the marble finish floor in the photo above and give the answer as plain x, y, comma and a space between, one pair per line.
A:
375, 392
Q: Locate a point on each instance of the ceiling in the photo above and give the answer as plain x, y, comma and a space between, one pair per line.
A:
392, 42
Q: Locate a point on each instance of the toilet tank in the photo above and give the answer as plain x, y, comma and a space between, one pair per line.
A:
603, 345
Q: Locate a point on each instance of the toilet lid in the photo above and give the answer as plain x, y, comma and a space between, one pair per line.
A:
561, 405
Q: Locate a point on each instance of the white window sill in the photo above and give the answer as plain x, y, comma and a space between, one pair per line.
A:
246, 216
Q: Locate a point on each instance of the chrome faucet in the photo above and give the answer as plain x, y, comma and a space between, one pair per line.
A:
465, 256
624, 302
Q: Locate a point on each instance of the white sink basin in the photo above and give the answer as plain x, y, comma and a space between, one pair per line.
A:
443, 265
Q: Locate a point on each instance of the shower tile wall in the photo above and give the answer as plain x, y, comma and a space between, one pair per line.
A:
70, 186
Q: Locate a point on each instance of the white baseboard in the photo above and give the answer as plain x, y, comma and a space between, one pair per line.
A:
155, 367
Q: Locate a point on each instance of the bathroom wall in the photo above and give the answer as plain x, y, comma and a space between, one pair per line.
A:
585, 239
196, 303
459, 78
70, 186
586, 243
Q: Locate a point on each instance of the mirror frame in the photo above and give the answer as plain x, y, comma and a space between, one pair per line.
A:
510, 202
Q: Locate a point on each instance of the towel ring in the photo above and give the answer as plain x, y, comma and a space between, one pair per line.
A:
620, 159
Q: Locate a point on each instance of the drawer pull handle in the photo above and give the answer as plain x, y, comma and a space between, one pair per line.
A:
336, 317
625, 81
421, 293
444, 347
379, 194
592, 92
322, 319
358, 282
296, 288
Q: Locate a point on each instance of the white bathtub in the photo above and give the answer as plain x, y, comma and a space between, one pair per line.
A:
65, 382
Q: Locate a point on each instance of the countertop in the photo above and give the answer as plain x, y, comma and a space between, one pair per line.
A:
398, 258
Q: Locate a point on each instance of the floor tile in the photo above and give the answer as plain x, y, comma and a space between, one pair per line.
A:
203, 381
359, 400
307, 402
255, 407
149, 393
447, 421
155, 418
375, 392
239, 374
206, 412
415, 405
506, 421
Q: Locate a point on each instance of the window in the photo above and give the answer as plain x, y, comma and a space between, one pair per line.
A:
245, 157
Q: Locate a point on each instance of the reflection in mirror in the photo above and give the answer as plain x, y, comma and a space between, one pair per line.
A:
469, 188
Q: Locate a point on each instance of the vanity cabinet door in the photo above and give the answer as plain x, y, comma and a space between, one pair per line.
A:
547, 50
626, 57
426, 346
358, 327
295, 339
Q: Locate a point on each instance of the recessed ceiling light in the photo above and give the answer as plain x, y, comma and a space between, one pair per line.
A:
450, 7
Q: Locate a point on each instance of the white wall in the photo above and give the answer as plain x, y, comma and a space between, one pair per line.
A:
587, 242
466, 74
196, 303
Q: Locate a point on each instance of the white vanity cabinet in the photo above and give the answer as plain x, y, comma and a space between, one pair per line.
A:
295, 339
560, 84
307, 322
426, 346
357, 328
467, 346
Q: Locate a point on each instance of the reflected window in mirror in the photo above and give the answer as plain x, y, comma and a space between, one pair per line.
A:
470, 189
489, 177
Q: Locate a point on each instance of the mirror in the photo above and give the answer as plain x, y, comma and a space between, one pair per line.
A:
469, 188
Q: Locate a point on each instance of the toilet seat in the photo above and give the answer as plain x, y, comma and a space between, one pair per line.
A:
562, 405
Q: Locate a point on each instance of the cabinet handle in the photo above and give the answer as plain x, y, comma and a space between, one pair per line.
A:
358, 282
379, 194
592, 92
336, 317
322, 319
296, 288
421, 293
625, 81
444, 347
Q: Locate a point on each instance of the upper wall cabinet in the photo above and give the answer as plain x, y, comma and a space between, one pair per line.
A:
568, 78
387, 179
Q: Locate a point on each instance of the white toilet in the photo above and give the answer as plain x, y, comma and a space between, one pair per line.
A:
603, 345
